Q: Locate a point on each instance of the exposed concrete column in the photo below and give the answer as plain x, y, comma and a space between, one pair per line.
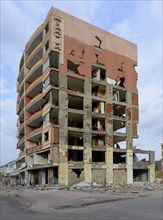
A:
87, 131
152, 166
63, 132
109, 116
129, 166
88, 165
26, 177
109, 164
129, 142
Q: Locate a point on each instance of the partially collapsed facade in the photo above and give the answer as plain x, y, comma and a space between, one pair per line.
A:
77, 106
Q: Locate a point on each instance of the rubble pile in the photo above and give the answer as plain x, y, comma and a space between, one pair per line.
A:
8, 189
117, 188
136, 187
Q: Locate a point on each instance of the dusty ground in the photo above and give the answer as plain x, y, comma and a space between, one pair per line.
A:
48, 199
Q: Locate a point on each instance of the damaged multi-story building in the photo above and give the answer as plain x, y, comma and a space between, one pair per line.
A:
77, 106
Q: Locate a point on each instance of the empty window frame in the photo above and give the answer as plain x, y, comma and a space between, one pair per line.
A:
46, 136
54, 59
46, 118
75, 120
46, 28
75, 155
98, 156
98, 90
75, 84
75, 102
98, 73
119, 142
119, 95
75, 138
98, 106
54, 78
54, 116
52, 97
72, 67
119, 126
119, 157
46, 47
98, 140
46, 64
119, 110
98, 124
46, 82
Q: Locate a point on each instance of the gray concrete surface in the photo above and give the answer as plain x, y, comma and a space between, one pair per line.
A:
148, 207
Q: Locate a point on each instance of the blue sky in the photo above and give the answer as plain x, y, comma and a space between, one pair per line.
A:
136, 21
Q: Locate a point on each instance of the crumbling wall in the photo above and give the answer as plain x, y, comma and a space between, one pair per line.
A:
99, 176
119, 176
75, 176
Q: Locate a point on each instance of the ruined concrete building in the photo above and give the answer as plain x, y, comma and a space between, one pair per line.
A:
77, 106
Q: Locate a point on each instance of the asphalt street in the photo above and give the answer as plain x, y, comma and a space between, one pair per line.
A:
150, 207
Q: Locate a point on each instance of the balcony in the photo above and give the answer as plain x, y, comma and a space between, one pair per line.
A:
21, 89
22, 154
35, 119
34, 41
21, 102
35, 72
35, 88
21, 129
35, 135
35, 104
21, 75
21, 143
35, 56
21, 116
34, 149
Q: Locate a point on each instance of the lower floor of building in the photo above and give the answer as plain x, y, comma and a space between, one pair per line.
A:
73, 175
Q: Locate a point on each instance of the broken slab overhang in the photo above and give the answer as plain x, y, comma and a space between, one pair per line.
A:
41, 167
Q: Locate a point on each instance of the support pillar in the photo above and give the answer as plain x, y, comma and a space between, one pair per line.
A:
129, 166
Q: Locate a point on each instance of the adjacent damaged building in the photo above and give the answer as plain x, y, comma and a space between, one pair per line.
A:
77, 106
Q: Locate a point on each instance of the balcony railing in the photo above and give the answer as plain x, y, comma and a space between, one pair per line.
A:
21, 142
34, 116
34, 102
34, 149
22, 154
33, 85
34, 52
33, 69
35, 133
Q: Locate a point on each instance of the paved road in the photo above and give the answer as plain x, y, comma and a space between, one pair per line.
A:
138, 208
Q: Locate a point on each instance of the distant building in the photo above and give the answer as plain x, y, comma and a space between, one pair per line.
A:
77, 106
10, 172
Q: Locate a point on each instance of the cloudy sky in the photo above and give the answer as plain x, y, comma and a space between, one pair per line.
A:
136, 21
